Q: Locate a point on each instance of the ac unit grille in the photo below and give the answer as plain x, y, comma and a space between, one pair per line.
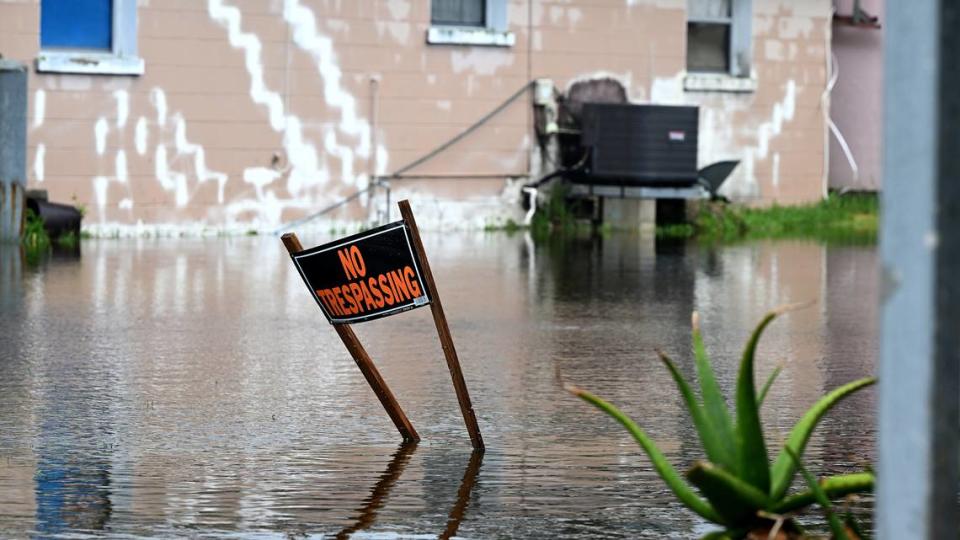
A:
641, 144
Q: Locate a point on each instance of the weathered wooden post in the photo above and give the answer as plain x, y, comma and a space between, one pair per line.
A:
920, 252
443, 331
13, 147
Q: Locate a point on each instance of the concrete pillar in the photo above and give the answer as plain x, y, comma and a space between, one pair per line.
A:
13, 147
630, 214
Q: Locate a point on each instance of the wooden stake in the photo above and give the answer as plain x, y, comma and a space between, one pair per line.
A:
446, 340
365, 363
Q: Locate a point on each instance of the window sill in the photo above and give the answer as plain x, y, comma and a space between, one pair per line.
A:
462, 35
87, 62
718, 82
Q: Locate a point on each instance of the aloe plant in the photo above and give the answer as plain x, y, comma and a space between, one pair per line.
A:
736, 486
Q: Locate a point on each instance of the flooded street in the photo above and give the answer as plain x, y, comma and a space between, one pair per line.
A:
193, 388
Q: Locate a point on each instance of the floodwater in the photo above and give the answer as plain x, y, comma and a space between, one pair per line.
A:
192, 388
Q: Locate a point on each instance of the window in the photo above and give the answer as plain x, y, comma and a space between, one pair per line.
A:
718, 37
469, 22
89, 36
458, 12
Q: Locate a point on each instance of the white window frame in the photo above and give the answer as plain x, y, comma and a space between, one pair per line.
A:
739, 77
495, 33
121, 60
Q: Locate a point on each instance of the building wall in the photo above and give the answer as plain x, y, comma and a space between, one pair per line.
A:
253, 113
857, 101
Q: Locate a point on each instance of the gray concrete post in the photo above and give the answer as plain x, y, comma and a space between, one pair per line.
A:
13, 147
920, 253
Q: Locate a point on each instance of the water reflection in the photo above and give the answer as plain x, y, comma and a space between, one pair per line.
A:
459, 509
381, 491
191, 387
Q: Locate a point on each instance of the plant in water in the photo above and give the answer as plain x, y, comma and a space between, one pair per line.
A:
739, 488
68, 240
35, 240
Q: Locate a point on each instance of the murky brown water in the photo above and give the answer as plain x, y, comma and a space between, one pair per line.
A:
192, 388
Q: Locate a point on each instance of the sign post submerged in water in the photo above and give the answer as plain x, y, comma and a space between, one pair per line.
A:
374, 274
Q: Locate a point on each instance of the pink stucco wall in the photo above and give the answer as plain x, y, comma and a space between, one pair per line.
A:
253, 113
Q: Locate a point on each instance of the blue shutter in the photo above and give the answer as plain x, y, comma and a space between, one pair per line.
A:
76, 24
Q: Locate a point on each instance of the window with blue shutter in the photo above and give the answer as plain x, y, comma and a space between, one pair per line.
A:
76, 24
89, 36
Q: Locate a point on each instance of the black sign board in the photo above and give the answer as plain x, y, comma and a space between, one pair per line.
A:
365, 276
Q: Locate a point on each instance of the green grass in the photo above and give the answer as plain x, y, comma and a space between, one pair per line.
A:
35, 240
851, 219
848, 219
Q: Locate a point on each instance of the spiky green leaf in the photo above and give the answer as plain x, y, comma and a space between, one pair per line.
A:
767, 385
836, 526
670, 476
754, 465
715, 408
716, 448
784, 468
735, 500
834, 487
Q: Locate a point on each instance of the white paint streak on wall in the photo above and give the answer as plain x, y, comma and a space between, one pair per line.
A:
187, 148
159, 100
230, 17
399, 9
120, 166
776, 170
320, 47
381, 160
720, 129
125, 204
480, 60
101, 184
38, 162
668, 90
123, 106
306, 169
140, 136
304, 161
177, 181
100, 192
100, 130
168, 180
783, 111
260, 177
39, 107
